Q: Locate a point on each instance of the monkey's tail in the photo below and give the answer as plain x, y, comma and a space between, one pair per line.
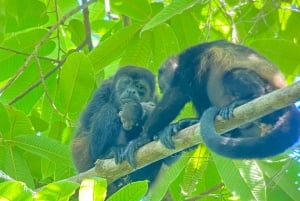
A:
283, 135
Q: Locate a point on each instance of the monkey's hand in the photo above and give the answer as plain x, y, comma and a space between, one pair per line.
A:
133, 145
119, 153
165, 136
131, 115
148, 107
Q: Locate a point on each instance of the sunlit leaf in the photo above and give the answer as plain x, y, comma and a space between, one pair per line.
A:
45, 147
59, 191
176, 7
110, 49
138, 10
243, 178
93, 189
13, 191
134, 191
76, 84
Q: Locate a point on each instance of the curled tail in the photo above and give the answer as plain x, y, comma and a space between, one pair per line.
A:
283, 135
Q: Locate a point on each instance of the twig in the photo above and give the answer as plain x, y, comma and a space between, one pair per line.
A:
87, 27
260, 107
27, 54
41, 42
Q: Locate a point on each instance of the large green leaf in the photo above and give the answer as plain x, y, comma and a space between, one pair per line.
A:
176, 7
187, 33
76, 84
16, 166
284, 184
14, 191
2, 20
243, 178
160, 188
139, 10
165, 44
24, 14
139, 51
59, 191
5, 120
19, 124
45, 147
93, 189
11, 61
111, 48
134, 191
284, 53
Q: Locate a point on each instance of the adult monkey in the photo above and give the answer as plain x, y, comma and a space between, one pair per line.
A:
220, 76
115, 116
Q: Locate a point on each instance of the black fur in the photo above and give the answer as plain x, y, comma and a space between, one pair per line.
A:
224, 75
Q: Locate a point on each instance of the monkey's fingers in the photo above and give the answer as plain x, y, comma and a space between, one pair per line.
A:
165, 136
119, 154
131, 148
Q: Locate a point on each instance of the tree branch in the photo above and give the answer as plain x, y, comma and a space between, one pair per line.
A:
190, 136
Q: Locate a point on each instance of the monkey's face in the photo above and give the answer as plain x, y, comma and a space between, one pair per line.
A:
132, 90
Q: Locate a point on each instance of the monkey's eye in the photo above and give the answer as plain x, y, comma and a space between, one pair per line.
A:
125, 81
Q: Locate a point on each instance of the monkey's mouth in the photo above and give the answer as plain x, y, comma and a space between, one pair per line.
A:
128, 100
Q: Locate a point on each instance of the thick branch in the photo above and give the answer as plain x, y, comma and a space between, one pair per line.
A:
190, 136
260, 107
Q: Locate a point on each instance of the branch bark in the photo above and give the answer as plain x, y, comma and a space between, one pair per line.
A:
190, 136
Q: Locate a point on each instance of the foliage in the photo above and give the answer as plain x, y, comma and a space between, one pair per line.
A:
49, 71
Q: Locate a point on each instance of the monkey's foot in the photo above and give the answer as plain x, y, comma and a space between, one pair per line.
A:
227, 111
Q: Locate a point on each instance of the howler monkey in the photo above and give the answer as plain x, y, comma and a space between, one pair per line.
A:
113, 118
218, 76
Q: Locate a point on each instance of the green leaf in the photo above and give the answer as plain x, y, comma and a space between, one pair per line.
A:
59, 191
76, 29
15, 165
134, 191
5, 120
45, 147
19, 124
24, 14
138, 52
93, 189
2, 20
272, 49
76, 84
22, 42
158, 191
111, 49
286, 183
139, 10
165, 44
188, 34
243, 178
176, 7
14, 191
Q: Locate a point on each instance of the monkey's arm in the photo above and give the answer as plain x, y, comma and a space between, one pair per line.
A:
100, 98
165, 111
105, 130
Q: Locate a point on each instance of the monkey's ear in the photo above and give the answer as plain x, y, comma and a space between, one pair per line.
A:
80, 152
